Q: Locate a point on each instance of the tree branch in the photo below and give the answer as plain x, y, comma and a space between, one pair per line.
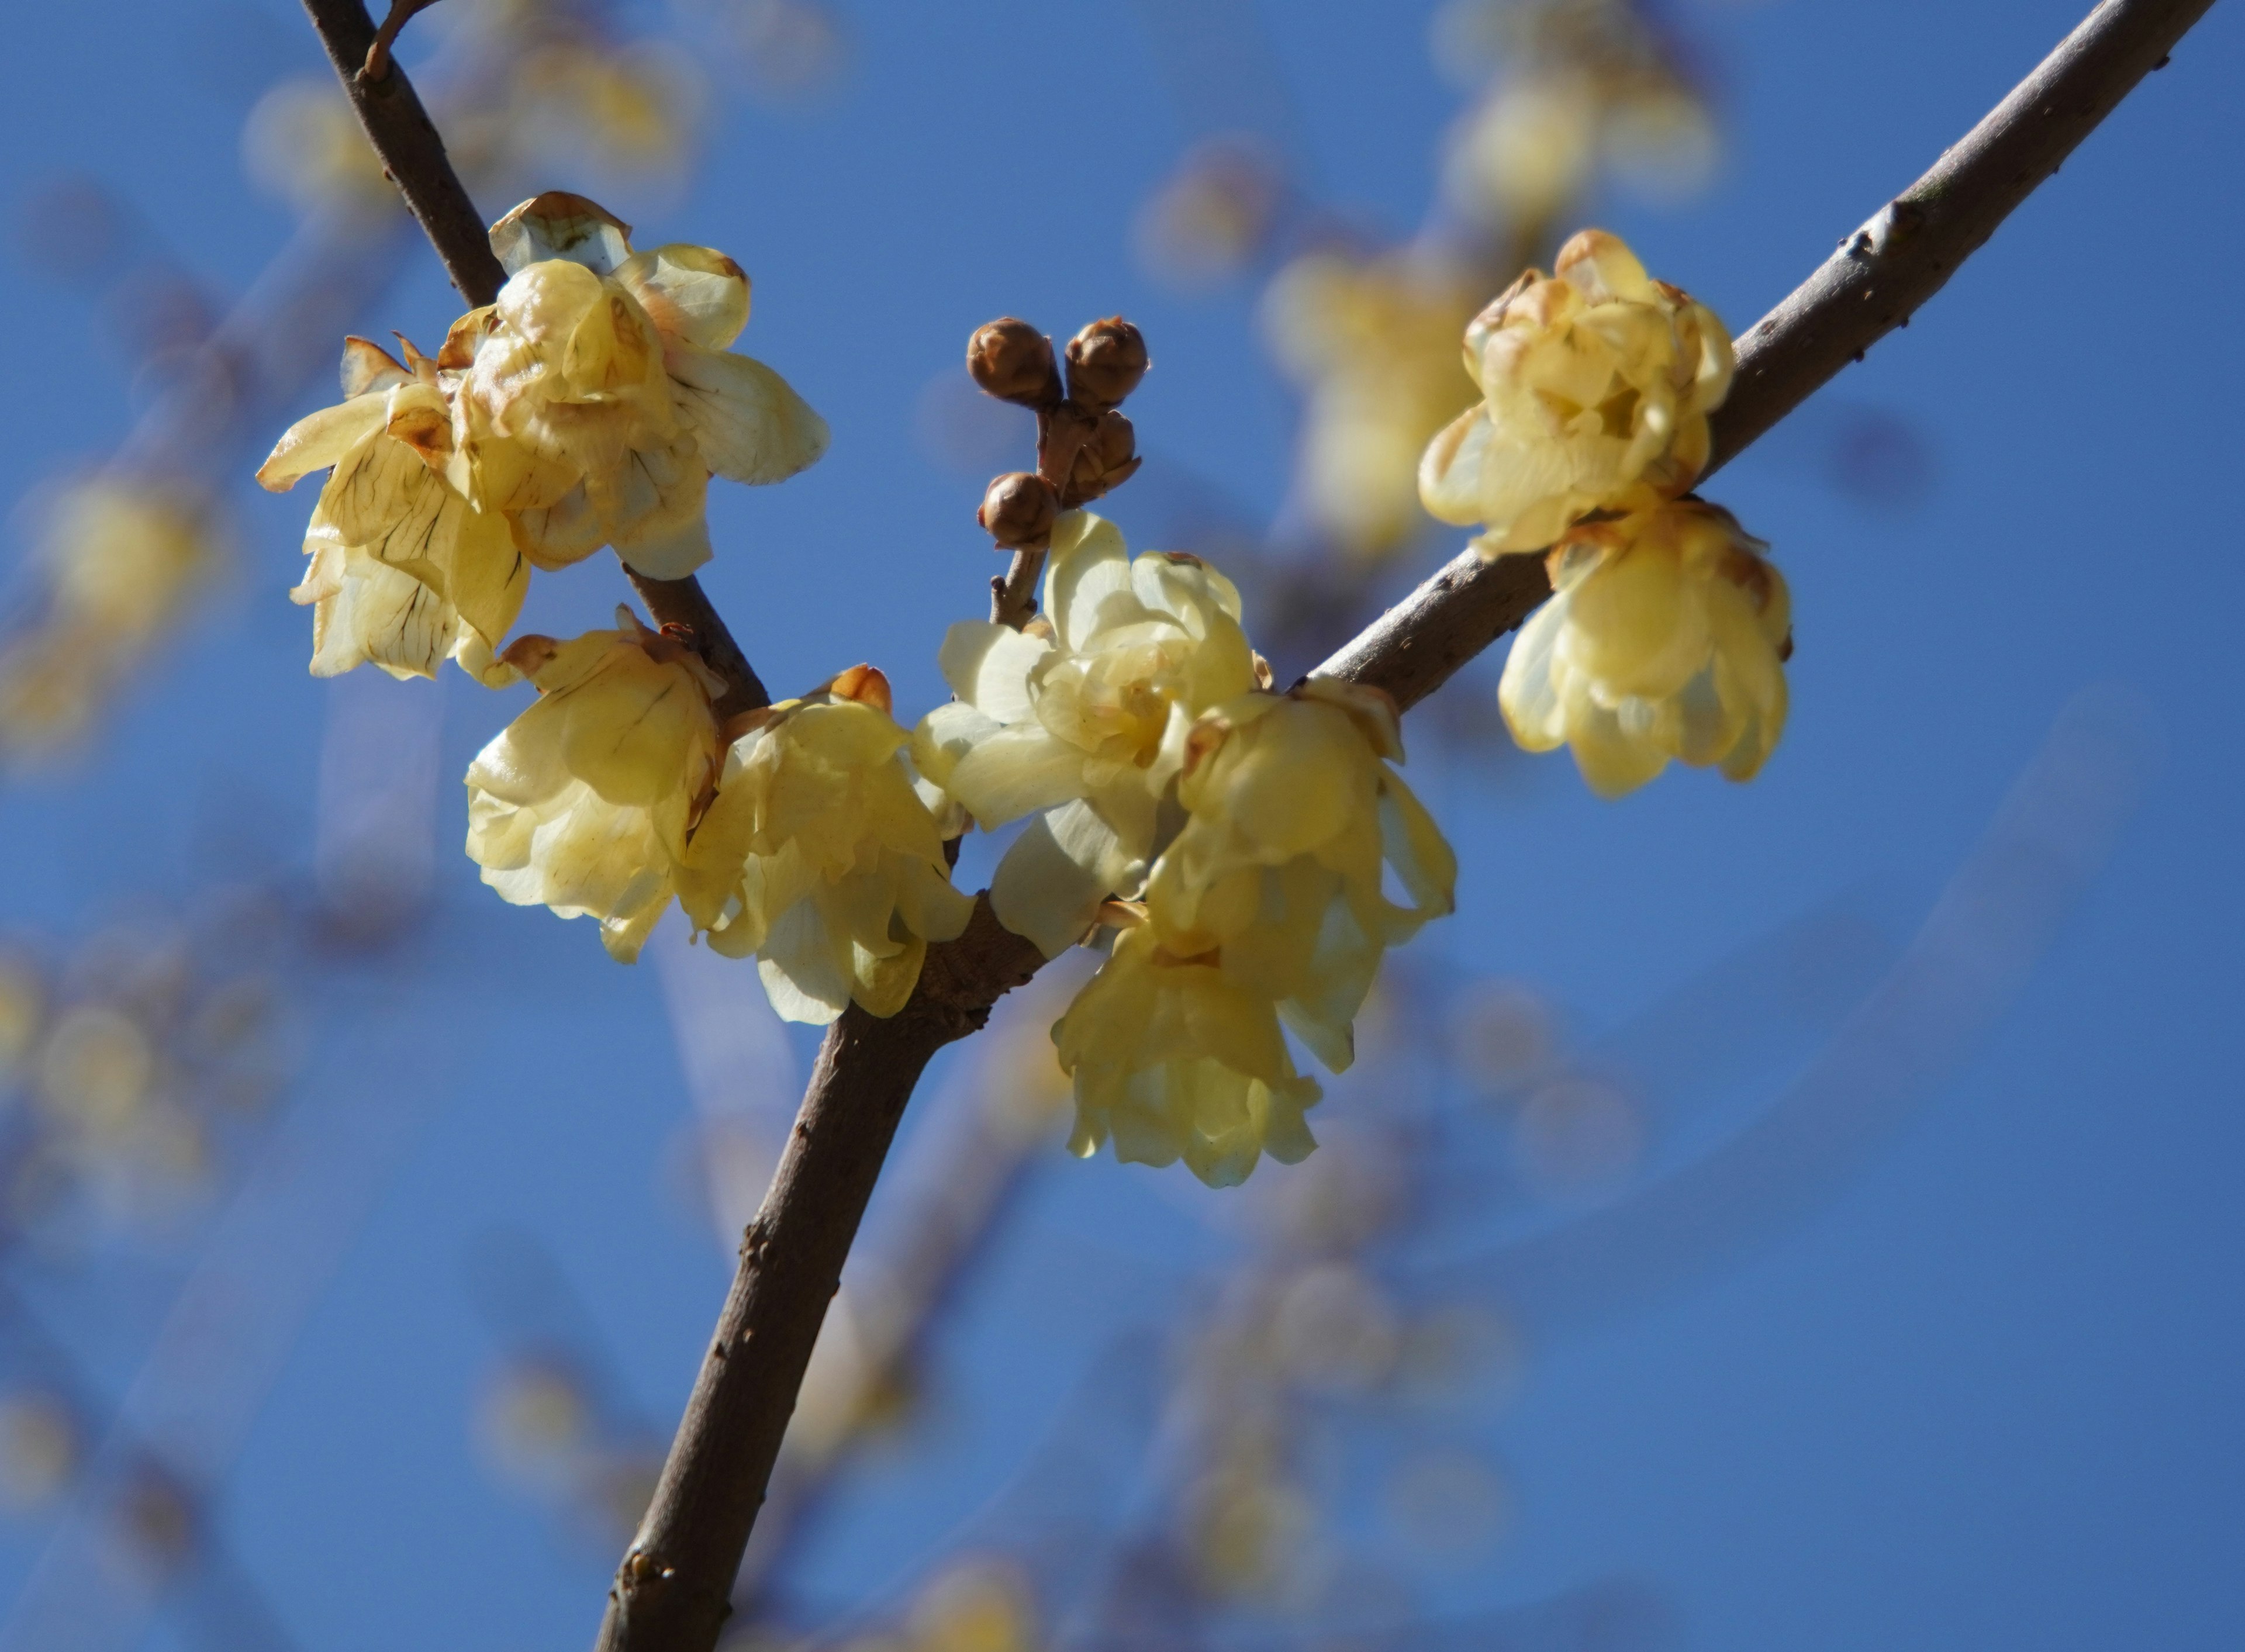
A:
670, 1594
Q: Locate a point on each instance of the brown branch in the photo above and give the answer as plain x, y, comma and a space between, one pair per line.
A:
1014, 596
671, 1594
412, 154
413, 157
682, 602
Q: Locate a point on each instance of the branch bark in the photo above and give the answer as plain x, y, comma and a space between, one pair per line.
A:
671, 1593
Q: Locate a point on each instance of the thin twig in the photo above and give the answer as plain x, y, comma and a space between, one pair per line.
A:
377, 55
671, 1593
1014, 598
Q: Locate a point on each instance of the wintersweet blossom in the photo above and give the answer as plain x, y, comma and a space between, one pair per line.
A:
596, 396
1292, 812
1666, 639
585, 802
405, 571
819, 856
1266, 909
1594, 379
1173, 1059
1081, 719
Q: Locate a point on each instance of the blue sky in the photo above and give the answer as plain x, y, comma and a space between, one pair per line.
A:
1981, 1393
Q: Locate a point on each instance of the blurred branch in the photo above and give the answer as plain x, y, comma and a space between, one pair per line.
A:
671, 1593
413, 156
1875, 282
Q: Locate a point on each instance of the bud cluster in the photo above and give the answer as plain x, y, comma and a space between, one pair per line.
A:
1085, 446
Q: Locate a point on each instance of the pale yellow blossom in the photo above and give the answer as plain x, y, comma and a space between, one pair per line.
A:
1666, 639
1173, 1059
596, 397
1081, 719
1293, 815
584, 803
819, 856
1372, 343
405, 571
1595, 379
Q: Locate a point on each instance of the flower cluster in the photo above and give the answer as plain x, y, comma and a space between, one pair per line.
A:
1669, 631
588, 406
1245, 833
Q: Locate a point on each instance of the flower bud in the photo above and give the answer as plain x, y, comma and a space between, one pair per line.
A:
1019, 509
1105, 362
1013, 361
1107, 458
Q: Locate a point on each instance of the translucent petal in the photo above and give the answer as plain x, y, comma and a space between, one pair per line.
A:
749, 422
691, 293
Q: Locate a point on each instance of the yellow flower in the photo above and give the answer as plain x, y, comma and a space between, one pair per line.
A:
584, 802
819, 856
1374, 345
405, 571
1292, 810
596, 396
1172, 1059
1594, 379
1081, 719
1666, 639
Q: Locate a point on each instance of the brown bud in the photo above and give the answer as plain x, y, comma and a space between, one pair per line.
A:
1013, 361
1105, 362
1019, 509
1107, 458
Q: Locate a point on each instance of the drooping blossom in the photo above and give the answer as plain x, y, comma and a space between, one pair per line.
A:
1666, 639
819, 856
1293, 815
584, 802
405, 571
1173, 1059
